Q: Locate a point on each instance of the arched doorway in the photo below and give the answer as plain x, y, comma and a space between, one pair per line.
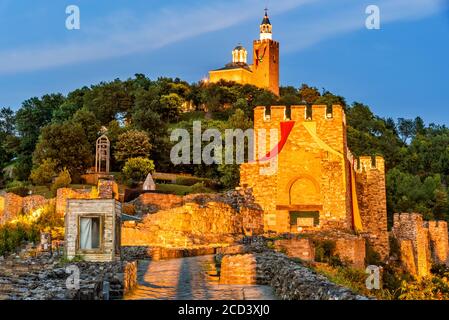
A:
304, 202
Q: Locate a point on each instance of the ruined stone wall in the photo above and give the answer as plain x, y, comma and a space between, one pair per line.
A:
438, 236
66, 193
193, 223
152, 202
297, 248
31, 203
409, 227
289, 280
129, 281
11, 205
351, 250
371, 196
107, 189
239, 269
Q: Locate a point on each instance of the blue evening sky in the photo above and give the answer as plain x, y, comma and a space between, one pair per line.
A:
401, 70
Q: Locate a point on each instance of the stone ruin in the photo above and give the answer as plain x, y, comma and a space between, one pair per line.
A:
421, 243
12, 205
201, 219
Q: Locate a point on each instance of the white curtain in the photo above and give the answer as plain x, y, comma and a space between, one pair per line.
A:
86, 233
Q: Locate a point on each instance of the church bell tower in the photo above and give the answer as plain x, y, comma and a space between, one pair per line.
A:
266, 57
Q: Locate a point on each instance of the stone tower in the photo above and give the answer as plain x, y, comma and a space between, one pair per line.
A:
316, 184
266, 58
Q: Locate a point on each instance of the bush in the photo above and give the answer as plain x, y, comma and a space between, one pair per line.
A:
372, 257
137, 169
188, 181
44, 173
12, 235
324, 250
50, 221
62, 180
17, 187
199, 188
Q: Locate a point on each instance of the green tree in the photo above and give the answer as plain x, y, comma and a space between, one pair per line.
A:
171, 106
32, 116
108, 100
329, 98
7, 119
45, 172
132, 144
63, 180
137, 169
89, 123
67, 144
406, 128
308, 95
8, 147
64, 112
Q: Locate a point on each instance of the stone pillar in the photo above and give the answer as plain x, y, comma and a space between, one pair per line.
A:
45, 244
438, 236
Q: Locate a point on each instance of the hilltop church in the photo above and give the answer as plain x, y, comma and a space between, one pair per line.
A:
264, 72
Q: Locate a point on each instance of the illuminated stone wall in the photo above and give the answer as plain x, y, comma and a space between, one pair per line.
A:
193, 224
11, 205
409, 228
297, 248
438, 236
313, 174
371, 196
63, 194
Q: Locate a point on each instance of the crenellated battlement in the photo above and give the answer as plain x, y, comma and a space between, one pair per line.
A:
402, 218
437, 224
298, 113
365, 163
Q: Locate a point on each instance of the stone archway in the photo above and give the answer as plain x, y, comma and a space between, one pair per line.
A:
304, 190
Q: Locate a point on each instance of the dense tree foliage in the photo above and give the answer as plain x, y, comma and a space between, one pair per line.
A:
66, 144
132, 144
54, 132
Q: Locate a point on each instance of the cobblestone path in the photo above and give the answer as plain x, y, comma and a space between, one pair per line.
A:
190, 278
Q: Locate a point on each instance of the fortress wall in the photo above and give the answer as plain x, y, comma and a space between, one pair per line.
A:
371, 195
438, 236
314, 155
410, 227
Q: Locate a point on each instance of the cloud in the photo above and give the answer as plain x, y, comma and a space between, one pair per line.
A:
124, 33
351, 17
127, 35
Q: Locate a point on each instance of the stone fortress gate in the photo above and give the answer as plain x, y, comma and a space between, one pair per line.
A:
318, 184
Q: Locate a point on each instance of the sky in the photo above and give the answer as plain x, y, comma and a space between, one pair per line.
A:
399, 70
